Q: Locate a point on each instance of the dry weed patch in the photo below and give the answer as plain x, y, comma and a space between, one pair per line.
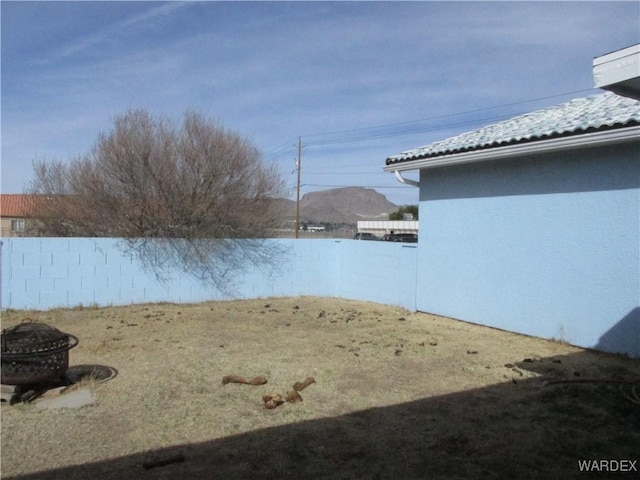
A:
396, 393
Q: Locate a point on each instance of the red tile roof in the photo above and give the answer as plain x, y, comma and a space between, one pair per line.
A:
16, 205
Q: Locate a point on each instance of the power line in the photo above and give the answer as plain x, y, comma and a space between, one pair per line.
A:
282, 147
411, 131
286, 147
279, 152
364, 186
341, 172
349, 166
290, 146
407, 122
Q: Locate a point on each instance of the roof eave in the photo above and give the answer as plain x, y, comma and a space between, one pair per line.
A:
619, 72
608, 137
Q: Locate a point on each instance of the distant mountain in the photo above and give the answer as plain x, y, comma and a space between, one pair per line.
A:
341, 205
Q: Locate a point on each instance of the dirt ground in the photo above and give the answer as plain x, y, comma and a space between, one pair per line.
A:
397, 395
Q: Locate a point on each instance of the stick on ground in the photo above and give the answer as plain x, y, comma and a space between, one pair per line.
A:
238, 379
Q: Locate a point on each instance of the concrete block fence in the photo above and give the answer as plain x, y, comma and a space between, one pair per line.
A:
43, 273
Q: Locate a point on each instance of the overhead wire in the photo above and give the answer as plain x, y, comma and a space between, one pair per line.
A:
435, 117
289, 146
340, 186
373, 132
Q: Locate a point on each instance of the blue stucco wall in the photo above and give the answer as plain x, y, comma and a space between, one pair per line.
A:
42, 273
542, 245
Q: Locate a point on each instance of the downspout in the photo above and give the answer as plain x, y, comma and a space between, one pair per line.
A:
406, 181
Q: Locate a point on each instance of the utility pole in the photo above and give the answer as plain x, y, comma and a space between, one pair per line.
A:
298, 165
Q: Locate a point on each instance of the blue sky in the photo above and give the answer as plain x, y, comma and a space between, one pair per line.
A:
357, 81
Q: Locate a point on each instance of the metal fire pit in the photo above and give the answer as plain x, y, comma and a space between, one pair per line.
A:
35, 353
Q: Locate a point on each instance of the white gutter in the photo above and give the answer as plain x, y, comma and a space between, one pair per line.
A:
597, 139
406, 181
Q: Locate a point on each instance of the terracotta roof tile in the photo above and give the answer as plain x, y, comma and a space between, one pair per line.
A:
16, 205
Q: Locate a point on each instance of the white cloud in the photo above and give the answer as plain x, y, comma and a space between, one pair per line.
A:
148, 19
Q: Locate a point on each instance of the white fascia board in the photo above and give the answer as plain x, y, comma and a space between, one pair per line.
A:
615, 67
597, 139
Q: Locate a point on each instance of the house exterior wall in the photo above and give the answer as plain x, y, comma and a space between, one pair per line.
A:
6, 228
541, 245
42, 273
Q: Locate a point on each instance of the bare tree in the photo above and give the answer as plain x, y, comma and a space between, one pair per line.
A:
168, 191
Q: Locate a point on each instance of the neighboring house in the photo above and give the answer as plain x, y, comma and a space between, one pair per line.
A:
15, 210
533, 224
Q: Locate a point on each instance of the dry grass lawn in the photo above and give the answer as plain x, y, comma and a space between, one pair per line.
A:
397, 395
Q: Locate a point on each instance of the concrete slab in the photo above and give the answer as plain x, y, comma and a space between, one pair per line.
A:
6, 392
53, 392
76, 399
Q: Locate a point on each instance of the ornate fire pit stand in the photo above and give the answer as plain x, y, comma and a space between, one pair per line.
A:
35, 358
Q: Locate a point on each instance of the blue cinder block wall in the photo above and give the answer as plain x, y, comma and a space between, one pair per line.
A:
43, 273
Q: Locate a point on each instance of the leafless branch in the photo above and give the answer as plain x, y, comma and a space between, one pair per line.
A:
178, 195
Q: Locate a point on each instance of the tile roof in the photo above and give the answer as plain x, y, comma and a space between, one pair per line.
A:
16, 205
577, 116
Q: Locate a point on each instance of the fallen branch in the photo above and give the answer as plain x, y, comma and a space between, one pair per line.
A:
299, 386
239, 379
272, 401
293, 397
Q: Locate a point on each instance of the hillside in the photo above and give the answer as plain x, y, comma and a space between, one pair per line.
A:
341, 205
